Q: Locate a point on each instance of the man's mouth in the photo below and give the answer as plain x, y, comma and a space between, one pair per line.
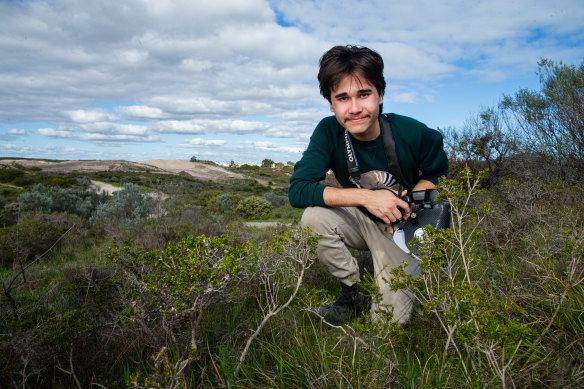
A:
356, 119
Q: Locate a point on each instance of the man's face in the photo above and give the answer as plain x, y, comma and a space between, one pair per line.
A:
355, 102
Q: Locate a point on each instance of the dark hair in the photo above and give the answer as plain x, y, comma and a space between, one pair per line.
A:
341, 61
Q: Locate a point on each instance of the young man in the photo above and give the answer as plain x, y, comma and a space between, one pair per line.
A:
356, 215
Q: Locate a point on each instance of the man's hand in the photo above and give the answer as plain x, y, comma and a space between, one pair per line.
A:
386, 206
381, 203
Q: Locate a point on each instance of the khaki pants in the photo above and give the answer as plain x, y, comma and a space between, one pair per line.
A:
348, 226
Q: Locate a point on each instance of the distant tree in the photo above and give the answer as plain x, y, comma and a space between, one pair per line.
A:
486, 139
193, 159
267, 163
551, 121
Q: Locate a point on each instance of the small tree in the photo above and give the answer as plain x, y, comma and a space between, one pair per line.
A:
552, 120
267, 163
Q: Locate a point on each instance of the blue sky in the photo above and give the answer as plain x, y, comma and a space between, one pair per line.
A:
236, 79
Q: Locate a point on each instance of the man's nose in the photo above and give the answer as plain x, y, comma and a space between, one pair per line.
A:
355, 106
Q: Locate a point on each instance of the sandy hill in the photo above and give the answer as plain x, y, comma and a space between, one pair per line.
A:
196, 170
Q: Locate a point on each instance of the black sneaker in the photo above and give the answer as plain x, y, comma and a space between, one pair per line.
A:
351, 303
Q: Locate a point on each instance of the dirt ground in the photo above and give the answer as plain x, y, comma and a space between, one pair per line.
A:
195, 170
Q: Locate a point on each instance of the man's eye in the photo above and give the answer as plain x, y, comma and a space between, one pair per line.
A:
364, 95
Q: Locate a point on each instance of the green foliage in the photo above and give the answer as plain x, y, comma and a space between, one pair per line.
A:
276, 200
479, 323
225, 202
551, 120
67, 325
165, 373
184, 280
267, 162
254, 207
79, 201
32, 236
9, 174
128, 207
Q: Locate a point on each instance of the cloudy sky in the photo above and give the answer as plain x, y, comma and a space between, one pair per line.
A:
236, 79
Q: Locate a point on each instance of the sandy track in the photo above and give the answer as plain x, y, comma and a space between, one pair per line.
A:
104, 187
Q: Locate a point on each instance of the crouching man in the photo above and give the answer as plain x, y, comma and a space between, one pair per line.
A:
360, 215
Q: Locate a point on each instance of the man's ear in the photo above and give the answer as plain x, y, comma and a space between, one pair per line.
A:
332, 109
381, 98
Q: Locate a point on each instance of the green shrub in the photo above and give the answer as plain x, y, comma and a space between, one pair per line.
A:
127, 207
71, 324
254, 207
76, 201
224, 202
181, 282
276, 200
9, 174
32, 236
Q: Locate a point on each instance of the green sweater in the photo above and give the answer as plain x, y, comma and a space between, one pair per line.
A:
419, 150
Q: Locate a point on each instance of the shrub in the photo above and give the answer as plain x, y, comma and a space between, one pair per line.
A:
254, 207
9, 174
276, 200
181, 282
63, 339
32, 236
224, 202
127, 207
56, 199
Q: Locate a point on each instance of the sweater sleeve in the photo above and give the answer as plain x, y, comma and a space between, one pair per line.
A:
305, 188
433, 159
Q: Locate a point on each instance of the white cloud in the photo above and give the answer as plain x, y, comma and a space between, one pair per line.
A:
227, 67
89, 116
205, 126
205, 142
141, 112
16, 131
266, 146
101, 133
408, 98
53, 133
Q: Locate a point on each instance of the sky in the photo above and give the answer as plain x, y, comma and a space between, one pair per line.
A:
235, 80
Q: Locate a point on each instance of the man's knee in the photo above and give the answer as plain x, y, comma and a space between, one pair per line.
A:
317, 219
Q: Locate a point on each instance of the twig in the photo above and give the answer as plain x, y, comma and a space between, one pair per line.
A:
72, 372
355, 338
271, 313
10, 287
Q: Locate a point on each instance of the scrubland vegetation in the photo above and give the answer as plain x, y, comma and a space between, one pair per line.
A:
131, 290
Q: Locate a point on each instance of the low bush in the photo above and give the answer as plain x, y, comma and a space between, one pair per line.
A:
65, 337
276, 200
254, 207
33, 235
77, 201
127, 207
